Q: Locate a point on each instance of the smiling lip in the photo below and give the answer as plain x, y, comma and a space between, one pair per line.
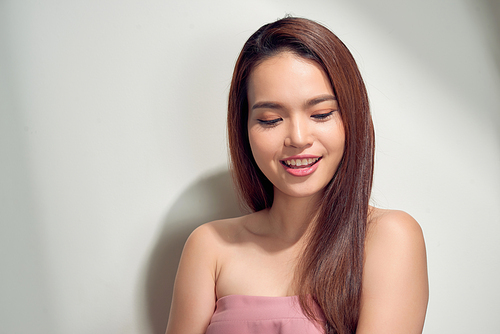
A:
301, 165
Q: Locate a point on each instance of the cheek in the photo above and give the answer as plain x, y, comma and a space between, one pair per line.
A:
340, 140
334, 140
263, 146
337, 136
257, 144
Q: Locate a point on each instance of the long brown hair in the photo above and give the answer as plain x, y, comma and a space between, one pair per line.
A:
330, 270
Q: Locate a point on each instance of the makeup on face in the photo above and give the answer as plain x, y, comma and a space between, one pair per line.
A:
294, 125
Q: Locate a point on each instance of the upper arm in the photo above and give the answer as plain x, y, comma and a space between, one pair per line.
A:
395, 286
193, 300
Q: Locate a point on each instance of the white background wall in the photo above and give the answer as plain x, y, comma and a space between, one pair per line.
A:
112, 143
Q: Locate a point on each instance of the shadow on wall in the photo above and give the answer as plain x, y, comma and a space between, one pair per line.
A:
209, 198
493, 13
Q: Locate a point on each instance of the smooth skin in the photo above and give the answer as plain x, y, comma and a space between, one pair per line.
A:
292, 112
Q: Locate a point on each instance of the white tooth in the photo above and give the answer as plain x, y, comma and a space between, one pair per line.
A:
304, 161
292, 162
287, 162
309, 161
298, 162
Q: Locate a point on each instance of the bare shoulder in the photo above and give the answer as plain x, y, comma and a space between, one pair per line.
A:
395, 287
209, 241
217, 232
194, 296
396, 225
205, 234
393, 236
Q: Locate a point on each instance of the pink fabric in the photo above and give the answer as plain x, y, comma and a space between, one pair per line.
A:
238, 314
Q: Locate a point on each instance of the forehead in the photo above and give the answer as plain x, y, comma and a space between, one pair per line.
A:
287, 77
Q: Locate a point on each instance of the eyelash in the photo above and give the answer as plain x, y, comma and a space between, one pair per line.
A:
274, 122
323, 117
270, 123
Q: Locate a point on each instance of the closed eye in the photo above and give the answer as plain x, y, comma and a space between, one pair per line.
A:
269, 123
323, 117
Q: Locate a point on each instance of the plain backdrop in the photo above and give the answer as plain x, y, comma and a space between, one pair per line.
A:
113, 147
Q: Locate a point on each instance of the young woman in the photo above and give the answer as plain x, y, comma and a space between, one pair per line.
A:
313, 257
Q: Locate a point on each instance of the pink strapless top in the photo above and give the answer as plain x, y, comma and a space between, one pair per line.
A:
238, 314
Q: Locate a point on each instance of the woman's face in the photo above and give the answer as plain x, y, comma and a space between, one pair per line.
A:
294, 126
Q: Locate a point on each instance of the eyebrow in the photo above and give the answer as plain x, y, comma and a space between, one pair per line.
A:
267, 105
319, 99
308, 104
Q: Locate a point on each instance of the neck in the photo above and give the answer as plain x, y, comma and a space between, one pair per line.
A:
291, 217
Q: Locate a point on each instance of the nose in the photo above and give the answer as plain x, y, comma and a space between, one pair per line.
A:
299, 134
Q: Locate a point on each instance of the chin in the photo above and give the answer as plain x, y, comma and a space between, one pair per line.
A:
301, 193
